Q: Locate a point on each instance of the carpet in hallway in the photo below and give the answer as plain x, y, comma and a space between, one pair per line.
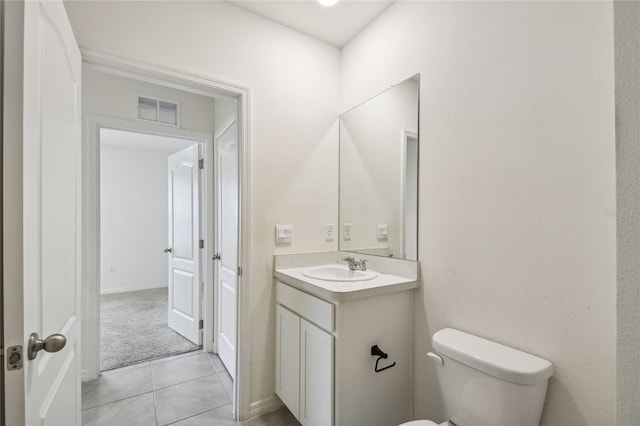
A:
133, 329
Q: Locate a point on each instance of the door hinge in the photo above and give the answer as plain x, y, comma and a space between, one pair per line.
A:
201, 324
201, 163
201, 243
239, 271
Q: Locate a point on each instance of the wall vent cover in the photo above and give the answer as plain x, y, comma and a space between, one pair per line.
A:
157, 110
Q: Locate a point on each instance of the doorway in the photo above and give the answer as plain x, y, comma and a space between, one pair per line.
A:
135, 233
235, 104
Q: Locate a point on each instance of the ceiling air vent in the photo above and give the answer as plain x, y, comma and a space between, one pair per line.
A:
159, 111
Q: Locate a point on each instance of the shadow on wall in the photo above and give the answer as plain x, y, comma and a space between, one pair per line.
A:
430, 404
570, 414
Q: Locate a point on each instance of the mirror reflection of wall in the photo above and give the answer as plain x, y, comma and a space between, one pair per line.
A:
379, 174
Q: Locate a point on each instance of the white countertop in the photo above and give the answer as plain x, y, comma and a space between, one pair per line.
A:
336, 291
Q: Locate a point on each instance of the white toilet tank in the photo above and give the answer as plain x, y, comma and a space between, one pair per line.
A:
485, 383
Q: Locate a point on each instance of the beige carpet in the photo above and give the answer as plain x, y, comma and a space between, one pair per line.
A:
133, 329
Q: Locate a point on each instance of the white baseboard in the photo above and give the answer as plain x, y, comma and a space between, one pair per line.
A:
264, 406
137, 288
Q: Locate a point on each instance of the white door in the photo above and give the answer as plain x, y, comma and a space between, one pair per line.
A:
227, 230
42, 212
184, 244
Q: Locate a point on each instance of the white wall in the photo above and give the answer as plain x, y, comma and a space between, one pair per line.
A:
517, 183
116, 97
627, 59
133, 219
293, 83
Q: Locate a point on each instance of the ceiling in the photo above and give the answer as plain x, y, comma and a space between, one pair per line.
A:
142, 141
335, 24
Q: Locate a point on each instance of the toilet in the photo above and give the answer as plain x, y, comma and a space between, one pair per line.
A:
484, 383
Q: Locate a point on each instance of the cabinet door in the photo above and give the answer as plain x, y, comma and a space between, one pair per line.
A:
288, 358
316, 376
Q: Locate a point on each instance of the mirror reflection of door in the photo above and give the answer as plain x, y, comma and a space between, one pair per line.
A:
410, 196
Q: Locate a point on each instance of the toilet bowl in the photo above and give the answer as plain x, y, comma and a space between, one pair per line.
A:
485, 383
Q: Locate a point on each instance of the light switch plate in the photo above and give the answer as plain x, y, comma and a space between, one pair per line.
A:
346, 231
329, 231
382, 231
284, 234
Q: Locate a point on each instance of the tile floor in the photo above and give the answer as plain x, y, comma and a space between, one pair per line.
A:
188, 390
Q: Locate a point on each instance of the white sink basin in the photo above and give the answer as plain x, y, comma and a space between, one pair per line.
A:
338, 273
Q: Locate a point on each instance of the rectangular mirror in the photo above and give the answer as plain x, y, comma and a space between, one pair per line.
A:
378, 210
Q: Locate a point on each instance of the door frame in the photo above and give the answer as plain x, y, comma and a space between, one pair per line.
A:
91, 203
405, 138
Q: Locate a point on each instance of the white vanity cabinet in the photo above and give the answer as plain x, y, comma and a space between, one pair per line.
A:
304, 356
324, 368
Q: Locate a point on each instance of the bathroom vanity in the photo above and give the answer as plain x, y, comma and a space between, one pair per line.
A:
325, 331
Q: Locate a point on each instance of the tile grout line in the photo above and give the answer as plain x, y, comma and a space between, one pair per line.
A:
222, 372
197, 414
124, 369
211, 361
116, 400
186, 381
153, 389
154, 386
162, 360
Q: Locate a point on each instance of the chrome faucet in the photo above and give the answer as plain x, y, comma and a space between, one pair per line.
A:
356, 265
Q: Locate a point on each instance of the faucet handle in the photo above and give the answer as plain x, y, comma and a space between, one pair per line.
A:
362, 264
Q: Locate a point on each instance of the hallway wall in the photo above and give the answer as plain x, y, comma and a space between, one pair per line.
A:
133, 219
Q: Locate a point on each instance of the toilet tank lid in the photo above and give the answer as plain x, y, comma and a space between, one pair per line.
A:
492, 358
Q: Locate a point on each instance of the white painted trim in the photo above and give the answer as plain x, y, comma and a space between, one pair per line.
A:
208, 87
1, 168
175, 79
265, 406
130, 289
405, 135
242, 384
207, 233
12, 211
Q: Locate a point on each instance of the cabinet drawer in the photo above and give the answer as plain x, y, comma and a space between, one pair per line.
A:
310, 307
